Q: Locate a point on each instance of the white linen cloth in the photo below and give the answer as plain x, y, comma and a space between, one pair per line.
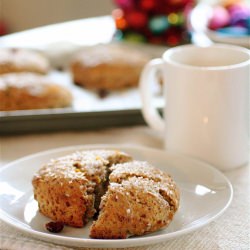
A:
230, 231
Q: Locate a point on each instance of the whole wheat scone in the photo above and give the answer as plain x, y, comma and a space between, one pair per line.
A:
140, 199
22, 60
108, 67
129, 197
68, 189
31, 91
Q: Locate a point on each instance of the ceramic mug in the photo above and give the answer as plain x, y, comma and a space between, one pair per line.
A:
206, 93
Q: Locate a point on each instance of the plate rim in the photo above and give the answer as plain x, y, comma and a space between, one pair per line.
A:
112, 243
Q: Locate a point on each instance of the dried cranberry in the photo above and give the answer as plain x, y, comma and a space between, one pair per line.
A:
54, 227
102, 93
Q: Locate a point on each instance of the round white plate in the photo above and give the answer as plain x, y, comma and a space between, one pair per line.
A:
205, 194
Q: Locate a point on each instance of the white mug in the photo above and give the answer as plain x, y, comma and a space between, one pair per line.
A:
206, 94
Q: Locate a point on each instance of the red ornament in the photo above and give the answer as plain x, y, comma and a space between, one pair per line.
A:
124, 4
178, 2
136, 19
177, 5
147, 5
173, 40
157, 40
174, 36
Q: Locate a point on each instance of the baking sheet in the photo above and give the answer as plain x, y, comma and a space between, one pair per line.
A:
89, 110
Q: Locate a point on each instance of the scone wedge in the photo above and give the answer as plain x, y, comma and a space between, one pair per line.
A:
140, 199
68, 188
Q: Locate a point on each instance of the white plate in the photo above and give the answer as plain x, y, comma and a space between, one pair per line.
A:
205, 194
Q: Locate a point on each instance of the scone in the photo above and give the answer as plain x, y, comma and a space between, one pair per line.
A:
22, 60
31, 91
140, 199
128, 197
68, 188
108, 67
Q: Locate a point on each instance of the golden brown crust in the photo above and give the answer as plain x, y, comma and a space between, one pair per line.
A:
134, 207
31, 91
145, 170
22, 60
65, 187
140, 199
108, 67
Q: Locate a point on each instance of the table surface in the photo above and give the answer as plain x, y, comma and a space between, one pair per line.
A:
229, 231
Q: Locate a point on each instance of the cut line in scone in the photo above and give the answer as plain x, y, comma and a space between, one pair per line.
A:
128, 197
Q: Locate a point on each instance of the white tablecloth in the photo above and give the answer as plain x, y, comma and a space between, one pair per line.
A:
230, 231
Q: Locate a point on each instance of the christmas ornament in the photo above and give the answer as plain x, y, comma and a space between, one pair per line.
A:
153, 21
232, 18
136, 19
158, 24
220, 18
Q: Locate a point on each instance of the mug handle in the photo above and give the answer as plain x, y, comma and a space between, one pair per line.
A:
148, 77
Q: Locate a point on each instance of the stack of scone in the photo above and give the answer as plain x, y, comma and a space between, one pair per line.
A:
23, 84
128, 197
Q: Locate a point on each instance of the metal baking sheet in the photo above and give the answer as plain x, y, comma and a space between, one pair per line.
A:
89, 110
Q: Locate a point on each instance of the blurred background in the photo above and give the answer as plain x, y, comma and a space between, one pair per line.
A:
231, 15
18, 15
150, 26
